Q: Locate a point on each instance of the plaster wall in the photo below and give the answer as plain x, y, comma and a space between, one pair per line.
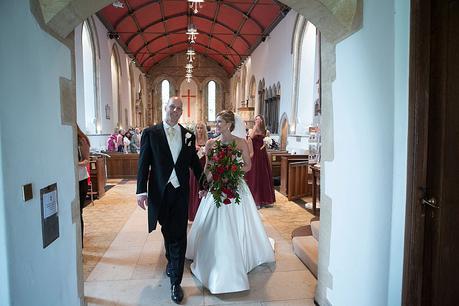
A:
272, 61
401, 64
4, 288
40, 151
104, 82
358, 180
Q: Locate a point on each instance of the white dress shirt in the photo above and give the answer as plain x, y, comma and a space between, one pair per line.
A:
175, 145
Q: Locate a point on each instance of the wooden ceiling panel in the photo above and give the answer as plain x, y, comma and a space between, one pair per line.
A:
138, 4
147, 14
174, 8
158, 44
266, 14
136, 43
240, 46
230, 17
151, 30
177, 23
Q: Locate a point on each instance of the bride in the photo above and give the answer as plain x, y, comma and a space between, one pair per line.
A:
227, 242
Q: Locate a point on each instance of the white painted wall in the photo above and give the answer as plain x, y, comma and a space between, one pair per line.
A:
272, 60
39, 151
401, 64
4, 271
360, 178
105, 83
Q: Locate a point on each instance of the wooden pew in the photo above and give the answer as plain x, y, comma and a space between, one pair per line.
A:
299, 182
275, 160
121, 165
97, 175
285, 160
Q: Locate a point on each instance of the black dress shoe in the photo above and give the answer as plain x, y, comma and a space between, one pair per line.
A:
168, 270
176, 293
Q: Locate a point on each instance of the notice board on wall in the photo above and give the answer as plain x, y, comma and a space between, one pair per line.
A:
49, 214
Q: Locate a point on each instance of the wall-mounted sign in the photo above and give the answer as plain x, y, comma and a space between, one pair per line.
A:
49, 214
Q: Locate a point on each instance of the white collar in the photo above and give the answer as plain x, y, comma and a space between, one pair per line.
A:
166, 125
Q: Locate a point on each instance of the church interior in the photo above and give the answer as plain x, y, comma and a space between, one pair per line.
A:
210, 55
330, 80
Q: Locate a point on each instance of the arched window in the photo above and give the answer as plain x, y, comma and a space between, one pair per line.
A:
306, 79
165, 87
211, 101
115, 71
89, 88
306, 73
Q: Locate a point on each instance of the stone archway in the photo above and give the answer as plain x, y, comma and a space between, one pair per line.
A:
283, 132
335, 19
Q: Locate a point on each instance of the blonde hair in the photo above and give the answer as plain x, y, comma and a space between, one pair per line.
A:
205, 131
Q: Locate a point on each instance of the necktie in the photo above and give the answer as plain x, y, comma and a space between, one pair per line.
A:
171, 132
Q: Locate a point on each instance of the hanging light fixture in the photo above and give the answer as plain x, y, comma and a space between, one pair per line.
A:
190, 54
188, 77
191, 32
118, 4
195, 4
189, 67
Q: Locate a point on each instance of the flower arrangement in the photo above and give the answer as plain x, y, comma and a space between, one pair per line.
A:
225, 165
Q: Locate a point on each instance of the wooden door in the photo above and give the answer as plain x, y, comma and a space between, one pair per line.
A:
431, 263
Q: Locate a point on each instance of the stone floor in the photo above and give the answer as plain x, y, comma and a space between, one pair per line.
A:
124, 265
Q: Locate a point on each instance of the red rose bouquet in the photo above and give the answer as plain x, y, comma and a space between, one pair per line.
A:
224, 162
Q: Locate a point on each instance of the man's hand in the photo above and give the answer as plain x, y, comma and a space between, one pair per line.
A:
142, 201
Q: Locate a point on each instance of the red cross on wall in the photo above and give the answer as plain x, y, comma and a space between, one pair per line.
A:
189, 96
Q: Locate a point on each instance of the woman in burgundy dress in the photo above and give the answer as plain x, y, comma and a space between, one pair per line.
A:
260, 177
194, 200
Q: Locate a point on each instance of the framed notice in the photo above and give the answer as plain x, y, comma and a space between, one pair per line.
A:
49, 214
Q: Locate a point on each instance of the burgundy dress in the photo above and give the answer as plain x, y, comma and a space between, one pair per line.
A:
260, 177
194, 200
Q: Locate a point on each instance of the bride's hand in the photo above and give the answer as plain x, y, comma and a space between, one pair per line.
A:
202, 193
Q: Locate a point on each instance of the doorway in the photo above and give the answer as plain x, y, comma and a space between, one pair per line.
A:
431, 261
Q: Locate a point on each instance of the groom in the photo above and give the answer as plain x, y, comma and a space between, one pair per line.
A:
167, 152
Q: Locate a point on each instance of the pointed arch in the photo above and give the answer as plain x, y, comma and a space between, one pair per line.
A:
283, 131
157, 103
219, 95
116, 80
261, 97
252, 91
88, 106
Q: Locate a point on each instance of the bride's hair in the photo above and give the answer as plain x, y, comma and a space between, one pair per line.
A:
228, 116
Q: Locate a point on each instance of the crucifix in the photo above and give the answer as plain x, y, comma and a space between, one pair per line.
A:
189, 96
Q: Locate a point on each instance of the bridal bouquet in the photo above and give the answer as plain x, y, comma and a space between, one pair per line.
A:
225, 165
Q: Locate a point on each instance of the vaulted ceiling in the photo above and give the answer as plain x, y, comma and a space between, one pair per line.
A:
229, 30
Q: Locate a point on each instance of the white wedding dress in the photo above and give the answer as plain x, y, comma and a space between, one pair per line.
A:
226, 243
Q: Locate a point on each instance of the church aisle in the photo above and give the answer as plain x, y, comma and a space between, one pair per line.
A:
132, 270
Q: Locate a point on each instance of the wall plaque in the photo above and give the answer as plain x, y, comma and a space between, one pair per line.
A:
49, 214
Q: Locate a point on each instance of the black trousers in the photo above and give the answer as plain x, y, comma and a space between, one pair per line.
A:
173, 217
83, 191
